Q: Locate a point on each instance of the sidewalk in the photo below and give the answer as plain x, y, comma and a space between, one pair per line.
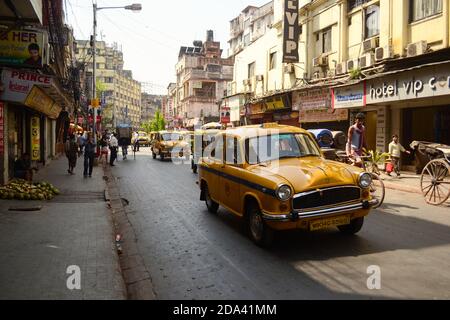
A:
75, 228
408, 182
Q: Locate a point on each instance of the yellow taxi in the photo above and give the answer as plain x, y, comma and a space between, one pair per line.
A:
276, 178
169, 144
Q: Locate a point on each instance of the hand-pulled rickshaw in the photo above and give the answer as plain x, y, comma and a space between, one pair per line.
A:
434, 158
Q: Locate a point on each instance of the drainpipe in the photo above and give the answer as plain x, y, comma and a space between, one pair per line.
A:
343, 30
445, 12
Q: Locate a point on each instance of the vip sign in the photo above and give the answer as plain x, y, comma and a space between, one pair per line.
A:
291, 31
35, 139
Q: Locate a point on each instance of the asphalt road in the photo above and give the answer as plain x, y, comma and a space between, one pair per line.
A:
192, 254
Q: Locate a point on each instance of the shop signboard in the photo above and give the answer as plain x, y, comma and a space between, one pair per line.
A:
22, 47
35, 139
312, 99
2, 129
285, 116
234, 104
224, 112
41, 102
18, 84
415, 84
353, 96
291, 32
276, 103
323, 115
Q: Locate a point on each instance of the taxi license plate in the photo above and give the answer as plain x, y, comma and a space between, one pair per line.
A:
329, 222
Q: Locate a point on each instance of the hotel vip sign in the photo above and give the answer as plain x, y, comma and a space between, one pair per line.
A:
291, 31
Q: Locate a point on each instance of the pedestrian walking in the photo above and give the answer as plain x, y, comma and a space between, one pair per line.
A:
356, 139
71, 149
81, 142
395, 150
113, 146
124, 143
103, 143
136, 141
90, 149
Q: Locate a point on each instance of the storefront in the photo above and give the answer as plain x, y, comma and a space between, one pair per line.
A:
315, 112
30, 117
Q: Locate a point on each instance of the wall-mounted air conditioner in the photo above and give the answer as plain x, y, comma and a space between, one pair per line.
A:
366, 60
383, 53
320, 61
341, 68
370, 44
417, 48
352, 64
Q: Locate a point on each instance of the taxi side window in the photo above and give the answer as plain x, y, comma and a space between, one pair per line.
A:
233, 152
217, 152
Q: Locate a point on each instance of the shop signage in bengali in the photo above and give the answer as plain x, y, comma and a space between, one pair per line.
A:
38, 100
22, 47
429, 82
311, 99
35, 139
349, 97
18, 84
2, 128
323, 115
291, 30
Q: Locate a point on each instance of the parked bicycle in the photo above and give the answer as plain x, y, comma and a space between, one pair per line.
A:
377, 189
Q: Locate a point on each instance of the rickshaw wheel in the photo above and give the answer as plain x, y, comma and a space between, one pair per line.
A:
435, 182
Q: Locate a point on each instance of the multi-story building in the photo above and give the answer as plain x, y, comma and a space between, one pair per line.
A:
150, 104
202, 77
122, 93
39, 82
386, 58
250, 25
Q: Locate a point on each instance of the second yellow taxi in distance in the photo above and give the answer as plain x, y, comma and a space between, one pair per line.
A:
275, 178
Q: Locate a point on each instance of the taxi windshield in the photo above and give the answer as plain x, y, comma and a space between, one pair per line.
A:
171, 136
278, 146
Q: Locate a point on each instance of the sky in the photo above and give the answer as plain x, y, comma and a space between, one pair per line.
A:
151, 39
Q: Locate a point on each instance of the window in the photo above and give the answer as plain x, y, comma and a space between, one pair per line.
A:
326, 40
251, 70
421, 9
217, 152
232, 151
372, 14
273, 61
352, 4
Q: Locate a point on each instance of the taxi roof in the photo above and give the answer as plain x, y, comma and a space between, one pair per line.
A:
263, 130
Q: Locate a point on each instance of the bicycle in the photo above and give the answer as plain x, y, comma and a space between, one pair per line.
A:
377, 188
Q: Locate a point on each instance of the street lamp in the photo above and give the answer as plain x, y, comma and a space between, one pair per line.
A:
133, 7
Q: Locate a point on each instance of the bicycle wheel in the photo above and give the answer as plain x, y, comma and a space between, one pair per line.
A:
377, 190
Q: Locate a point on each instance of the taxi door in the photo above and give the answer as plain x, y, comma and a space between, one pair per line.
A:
213, 161
229, 181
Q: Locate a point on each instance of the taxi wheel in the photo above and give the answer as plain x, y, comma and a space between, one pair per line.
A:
210, 203
354, 226
260, 233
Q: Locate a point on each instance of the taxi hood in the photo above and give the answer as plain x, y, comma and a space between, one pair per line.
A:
310, 172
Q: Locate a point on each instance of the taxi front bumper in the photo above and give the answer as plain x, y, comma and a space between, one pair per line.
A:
296, 215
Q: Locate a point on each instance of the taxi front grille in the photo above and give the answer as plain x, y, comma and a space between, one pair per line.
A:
325, 197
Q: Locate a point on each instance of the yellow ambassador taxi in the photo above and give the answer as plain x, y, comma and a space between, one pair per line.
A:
276, 178
168, 144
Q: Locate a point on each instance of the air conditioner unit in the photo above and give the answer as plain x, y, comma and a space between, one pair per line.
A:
417, 48
382, 53
259, 77
370, 44
320, 61
352, 64
341, 68
289, 68
366, 60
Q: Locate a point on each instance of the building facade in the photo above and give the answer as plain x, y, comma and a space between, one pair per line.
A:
150, 104
202, 77
388, 59
40, 85
121, 94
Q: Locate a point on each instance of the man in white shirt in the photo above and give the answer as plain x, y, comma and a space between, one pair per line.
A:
113, 146
395, 150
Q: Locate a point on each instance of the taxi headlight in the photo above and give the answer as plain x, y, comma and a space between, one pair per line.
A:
365, 179
284, 192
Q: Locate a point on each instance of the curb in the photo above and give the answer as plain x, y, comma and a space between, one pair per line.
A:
136, 277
